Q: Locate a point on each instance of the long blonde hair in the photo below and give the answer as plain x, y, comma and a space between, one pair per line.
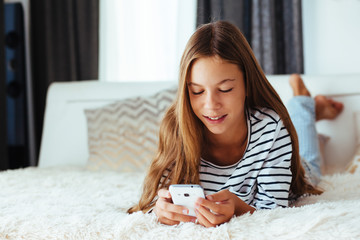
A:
181, 134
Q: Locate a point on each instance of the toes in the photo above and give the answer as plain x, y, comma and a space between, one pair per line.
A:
327, 108
338, 106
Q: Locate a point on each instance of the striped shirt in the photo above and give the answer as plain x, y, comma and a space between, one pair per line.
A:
262, 177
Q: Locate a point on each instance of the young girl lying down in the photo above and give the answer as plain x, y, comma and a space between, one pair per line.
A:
229, 131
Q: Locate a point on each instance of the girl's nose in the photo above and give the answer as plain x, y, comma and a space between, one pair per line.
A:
212, 101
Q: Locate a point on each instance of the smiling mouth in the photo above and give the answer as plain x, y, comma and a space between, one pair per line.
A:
215, 118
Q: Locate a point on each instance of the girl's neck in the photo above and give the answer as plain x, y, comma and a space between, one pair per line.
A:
226, 149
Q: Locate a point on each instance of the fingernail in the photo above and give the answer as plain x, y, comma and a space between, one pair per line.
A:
185, 211
197, 205
209, 197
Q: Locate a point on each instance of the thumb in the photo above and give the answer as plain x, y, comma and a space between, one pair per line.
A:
219, 196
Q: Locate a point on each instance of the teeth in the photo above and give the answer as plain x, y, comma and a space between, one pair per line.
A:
216, 118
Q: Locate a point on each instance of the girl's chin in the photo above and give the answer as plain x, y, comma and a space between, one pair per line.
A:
215, 130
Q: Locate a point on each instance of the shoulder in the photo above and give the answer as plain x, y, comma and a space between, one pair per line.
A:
264, 118
264, 115
265, 123
269, 137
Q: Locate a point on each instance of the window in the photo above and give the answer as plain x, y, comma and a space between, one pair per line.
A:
142, 40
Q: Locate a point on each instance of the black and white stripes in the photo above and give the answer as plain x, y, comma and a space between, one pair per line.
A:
262, 177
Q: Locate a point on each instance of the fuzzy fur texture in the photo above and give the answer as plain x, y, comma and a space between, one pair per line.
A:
72, 203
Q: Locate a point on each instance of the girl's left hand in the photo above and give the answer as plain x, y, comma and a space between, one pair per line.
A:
219, 208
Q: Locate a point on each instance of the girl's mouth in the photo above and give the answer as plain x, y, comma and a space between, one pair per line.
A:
216, 119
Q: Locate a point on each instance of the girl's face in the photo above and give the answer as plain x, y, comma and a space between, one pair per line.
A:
217, 95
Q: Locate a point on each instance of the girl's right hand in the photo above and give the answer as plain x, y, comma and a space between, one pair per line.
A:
169, 213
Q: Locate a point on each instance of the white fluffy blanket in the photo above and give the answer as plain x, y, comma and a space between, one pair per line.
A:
71, 203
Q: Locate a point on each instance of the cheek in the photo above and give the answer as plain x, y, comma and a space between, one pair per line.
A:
195, 105
237, 103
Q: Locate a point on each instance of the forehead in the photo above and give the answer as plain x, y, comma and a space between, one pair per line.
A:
213, 70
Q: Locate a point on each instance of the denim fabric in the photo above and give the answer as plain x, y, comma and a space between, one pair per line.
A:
302, 114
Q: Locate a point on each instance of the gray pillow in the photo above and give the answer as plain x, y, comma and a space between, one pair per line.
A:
123, 136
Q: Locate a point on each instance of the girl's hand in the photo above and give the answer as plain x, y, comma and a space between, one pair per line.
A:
169, 213
219, 208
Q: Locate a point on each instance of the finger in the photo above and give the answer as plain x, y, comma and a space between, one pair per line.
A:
164, 193
178, 217
170, 207
163, 219
173, 212
202, 220
167, 221
216, 207
211, 218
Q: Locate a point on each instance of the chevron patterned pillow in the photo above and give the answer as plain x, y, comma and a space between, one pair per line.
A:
123, 136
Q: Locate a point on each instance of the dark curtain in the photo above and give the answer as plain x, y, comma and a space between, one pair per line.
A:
65, 39
3, 141
272, 27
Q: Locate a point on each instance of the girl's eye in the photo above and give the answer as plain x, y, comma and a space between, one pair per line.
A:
225, 91
197, 93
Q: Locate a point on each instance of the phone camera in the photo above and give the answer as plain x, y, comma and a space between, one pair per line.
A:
186, 194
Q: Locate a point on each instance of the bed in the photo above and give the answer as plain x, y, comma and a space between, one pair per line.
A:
78, 190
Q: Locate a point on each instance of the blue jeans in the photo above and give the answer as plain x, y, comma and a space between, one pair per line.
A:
302, 114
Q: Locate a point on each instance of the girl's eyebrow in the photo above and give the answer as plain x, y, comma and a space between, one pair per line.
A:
221, 82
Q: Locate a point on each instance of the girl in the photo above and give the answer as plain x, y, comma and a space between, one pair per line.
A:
228, 131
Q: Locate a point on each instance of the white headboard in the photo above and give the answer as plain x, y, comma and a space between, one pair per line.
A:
64, 139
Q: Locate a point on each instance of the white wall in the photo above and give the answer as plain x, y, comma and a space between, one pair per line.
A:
331, 31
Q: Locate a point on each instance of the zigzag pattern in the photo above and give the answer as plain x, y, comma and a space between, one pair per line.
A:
123, 136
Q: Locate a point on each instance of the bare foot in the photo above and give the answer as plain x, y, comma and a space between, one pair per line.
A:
326, 108
298, 86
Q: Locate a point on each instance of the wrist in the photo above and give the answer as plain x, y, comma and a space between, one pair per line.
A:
242, 207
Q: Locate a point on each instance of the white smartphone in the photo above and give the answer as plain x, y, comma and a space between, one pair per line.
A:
186, 195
